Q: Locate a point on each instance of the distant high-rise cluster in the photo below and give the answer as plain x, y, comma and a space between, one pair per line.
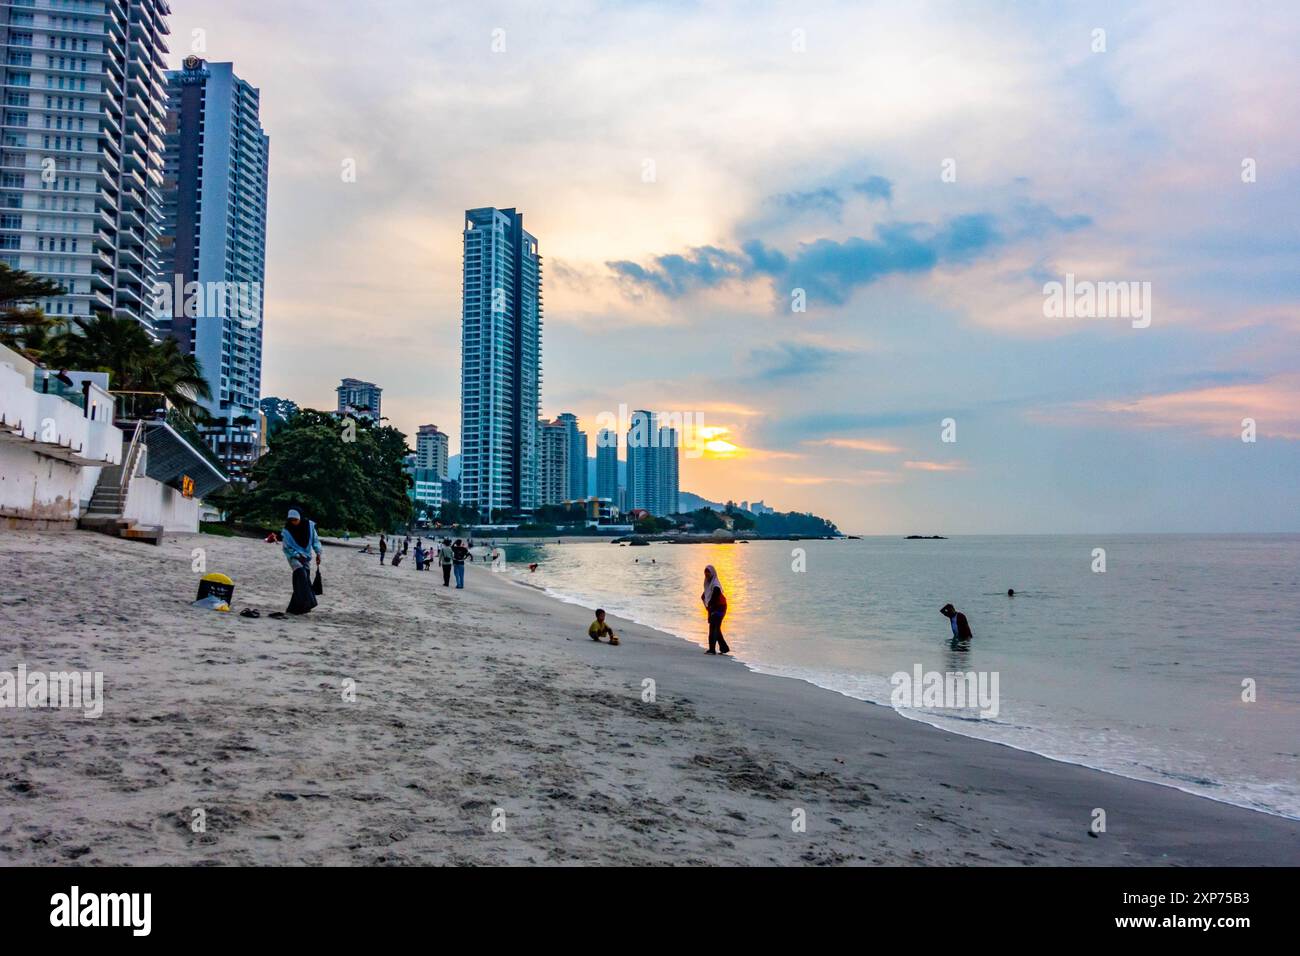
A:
513, 462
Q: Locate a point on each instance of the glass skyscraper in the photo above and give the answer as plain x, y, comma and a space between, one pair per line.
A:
607, 465
210, 291
501, 333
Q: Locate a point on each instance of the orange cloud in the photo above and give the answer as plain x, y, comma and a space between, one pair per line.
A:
1218, 410
859, 444
935, 465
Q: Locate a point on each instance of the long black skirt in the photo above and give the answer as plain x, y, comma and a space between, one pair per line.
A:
303, 599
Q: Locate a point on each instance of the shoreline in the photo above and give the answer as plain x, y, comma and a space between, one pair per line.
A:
578, 602
586, 603
493, 699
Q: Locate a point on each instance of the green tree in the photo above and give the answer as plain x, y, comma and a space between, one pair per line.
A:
22, 325
341, 473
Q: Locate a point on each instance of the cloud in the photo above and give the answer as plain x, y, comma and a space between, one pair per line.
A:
859, 444
935, 465
830, 270
876, 187
825, 200
1216, 410
793, 360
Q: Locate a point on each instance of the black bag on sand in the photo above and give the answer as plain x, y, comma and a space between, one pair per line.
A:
303, 599
316, 586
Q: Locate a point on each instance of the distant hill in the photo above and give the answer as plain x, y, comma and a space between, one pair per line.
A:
691, 502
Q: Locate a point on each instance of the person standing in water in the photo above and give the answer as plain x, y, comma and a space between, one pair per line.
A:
960, 626
715, 604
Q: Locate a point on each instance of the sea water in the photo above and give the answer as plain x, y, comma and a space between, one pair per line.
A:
1178, 663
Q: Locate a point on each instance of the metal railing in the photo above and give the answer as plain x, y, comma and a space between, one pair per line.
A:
130, 458
140, 406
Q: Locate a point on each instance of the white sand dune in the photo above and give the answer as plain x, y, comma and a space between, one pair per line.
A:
491, 704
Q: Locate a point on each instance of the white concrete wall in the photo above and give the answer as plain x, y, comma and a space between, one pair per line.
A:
51, 420
38, 488
150, 502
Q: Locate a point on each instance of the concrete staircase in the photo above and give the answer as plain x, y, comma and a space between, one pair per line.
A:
104, 514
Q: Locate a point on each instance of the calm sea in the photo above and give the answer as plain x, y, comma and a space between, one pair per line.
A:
1140, 670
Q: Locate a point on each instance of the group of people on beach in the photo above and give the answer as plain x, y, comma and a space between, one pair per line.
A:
448, 554
301, 546
715, 608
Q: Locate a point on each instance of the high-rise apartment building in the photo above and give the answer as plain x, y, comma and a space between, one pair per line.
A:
431, 446
607, 464
501, 332
576, 486
209, 295
667, 464
641, 485
652, 465
363, 399
553, 447
81, 166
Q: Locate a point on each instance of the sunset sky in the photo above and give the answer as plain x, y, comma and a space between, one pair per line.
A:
687, 167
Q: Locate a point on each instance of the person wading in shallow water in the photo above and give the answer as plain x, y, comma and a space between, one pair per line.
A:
960, 626
715, 603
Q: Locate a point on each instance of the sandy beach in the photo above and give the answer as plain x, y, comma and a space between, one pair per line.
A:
487, 729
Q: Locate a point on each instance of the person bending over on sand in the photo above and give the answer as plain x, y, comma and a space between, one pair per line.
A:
600, 629
445, 558
458, 555
715, 603
299, 544
960, 626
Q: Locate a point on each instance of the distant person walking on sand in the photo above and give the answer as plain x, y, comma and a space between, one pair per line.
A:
715, 603
458, 555
383, 547
960, 626
300, 544
445, 558
600, 629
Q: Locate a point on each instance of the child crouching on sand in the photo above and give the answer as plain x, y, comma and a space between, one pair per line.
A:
600, 629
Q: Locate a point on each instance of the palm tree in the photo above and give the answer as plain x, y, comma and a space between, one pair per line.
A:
134, 361
23, 326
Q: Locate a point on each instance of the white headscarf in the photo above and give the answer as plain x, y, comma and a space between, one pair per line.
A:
713, 585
